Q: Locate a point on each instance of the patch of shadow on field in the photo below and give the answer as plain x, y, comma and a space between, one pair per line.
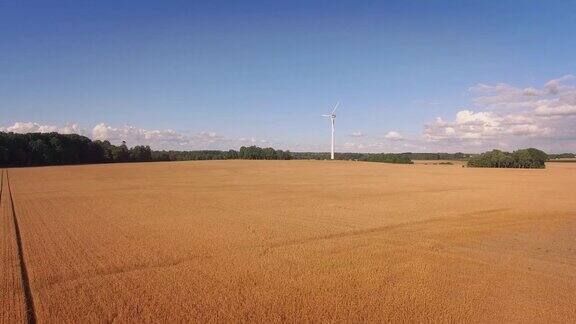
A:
376, 230
128, 269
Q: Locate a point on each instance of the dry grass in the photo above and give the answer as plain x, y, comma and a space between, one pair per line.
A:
297, 241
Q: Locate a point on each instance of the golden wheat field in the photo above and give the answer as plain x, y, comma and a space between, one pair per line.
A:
289, 241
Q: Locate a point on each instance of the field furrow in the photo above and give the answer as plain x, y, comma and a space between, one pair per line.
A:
12, 301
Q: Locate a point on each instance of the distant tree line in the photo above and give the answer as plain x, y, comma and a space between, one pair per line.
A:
245, 153
527, 158
402, 158
562, 156
378, 157
383, 157
194, 155
439, 156
34, 149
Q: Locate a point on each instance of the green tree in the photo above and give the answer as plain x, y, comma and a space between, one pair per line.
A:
140, 154
526, 158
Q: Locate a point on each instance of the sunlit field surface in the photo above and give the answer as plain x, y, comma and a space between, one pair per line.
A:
291, 241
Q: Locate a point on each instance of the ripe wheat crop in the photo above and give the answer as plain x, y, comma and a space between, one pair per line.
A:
291, 241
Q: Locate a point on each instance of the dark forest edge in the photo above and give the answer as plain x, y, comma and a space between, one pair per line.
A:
37, 149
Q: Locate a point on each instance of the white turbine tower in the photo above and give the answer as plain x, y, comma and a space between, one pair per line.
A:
332, 117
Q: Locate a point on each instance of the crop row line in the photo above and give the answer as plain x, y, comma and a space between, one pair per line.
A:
28, 299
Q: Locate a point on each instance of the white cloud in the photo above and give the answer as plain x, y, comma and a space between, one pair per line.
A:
251, 141
71, 129
157, 139
101, 132
546, 109
504, 96
556, 85
467, 117
357, 134
508, 116
556, 92
393, 136
483, 125
208, 137
30, 127
353, 146
138, 136
170, 139
527, 130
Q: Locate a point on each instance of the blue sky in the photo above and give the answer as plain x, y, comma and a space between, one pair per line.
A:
219, 74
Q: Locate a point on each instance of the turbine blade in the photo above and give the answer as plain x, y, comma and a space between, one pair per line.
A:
335, 107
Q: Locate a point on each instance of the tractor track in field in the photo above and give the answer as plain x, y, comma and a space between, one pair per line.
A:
380, 229
28, 299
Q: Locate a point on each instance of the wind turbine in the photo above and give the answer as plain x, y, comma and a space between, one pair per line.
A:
332, 117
